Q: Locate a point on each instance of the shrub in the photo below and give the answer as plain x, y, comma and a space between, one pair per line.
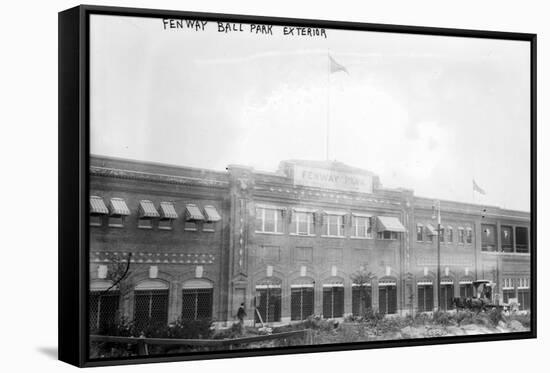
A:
443, 318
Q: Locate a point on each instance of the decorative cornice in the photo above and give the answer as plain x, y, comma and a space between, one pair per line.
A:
156, 178
153, 258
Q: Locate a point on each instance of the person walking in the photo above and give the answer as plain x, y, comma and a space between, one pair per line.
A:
241, 314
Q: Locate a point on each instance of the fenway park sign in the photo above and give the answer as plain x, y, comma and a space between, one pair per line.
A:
332, 179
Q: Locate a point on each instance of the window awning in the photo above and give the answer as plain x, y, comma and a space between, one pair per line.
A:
212, 214
192, 212
168, 211
118, 206
102, 285
97, 206
425, 282
147, 209
390, 223
431, 230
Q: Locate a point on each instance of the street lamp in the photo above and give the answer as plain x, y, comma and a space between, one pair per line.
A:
436, 208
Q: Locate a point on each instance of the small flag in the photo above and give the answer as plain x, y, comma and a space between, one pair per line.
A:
477, 188
335, 66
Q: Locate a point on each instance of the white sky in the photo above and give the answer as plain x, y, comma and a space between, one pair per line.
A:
423, 112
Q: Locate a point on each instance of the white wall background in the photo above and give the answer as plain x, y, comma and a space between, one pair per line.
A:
28, 187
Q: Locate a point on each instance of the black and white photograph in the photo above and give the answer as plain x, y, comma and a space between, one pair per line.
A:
258, 186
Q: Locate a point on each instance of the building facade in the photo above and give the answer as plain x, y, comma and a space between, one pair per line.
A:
316, 238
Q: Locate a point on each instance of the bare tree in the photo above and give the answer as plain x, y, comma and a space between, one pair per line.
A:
362, 279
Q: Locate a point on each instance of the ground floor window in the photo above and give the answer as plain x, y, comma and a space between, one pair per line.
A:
361, 300
196, 304
466, 290
301, 302
425, 298
524, 299
447, 294
507, 294
103, 309
150, 308
387, 299
268, 304
333, 301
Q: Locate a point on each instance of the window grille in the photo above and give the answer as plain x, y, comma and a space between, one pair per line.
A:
333, 301
268, 304
524, 299
425, 298
507, 294
150, 308
357, 298
387, 299
447, 294
197, 304
103, 309
466, 290
301, 303
522, 240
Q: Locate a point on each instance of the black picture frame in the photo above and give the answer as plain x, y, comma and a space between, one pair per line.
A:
74, 163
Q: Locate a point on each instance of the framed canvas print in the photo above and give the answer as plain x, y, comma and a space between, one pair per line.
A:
237, 185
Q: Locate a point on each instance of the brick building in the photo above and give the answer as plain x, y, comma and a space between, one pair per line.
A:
292, 242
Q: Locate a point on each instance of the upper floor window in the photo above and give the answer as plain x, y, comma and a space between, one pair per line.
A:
387, 235
193, 215
469, 235
389, 227
461, 236
302, 223
118, 210
361, 226
450, 234
147, 212
97, 211
419, 232
269, 220
522, 240
506, 235
333, 225
441, 234
488, 237
167, 215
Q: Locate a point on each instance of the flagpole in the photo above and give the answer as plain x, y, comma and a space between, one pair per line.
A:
328, 105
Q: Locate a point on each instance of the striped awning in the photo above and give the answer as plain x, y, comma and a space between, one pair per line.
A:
117, 206
97, 206
192, 212
147, 209
211, 213
446, 282
425, 282
390, 223
431, 230
333, 285
387, 283
168, 211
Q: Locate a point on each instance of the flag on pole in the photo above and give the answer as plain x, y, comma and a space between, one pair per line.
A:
477, 188
335, 66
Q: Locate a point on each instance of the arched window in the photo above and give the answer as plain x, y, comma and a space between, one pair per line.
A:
301, 299
466, 287
197, 300
333, 298
447, 293
387, 296
103, 303
425, 291
268, 300
361, 298
150, 304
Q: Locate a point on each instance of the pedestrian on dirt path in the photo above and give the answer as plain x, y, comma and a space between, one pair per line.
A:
241, 314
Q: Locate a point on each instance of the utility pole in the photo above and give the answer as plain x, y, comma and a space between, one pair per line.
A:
437, 206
